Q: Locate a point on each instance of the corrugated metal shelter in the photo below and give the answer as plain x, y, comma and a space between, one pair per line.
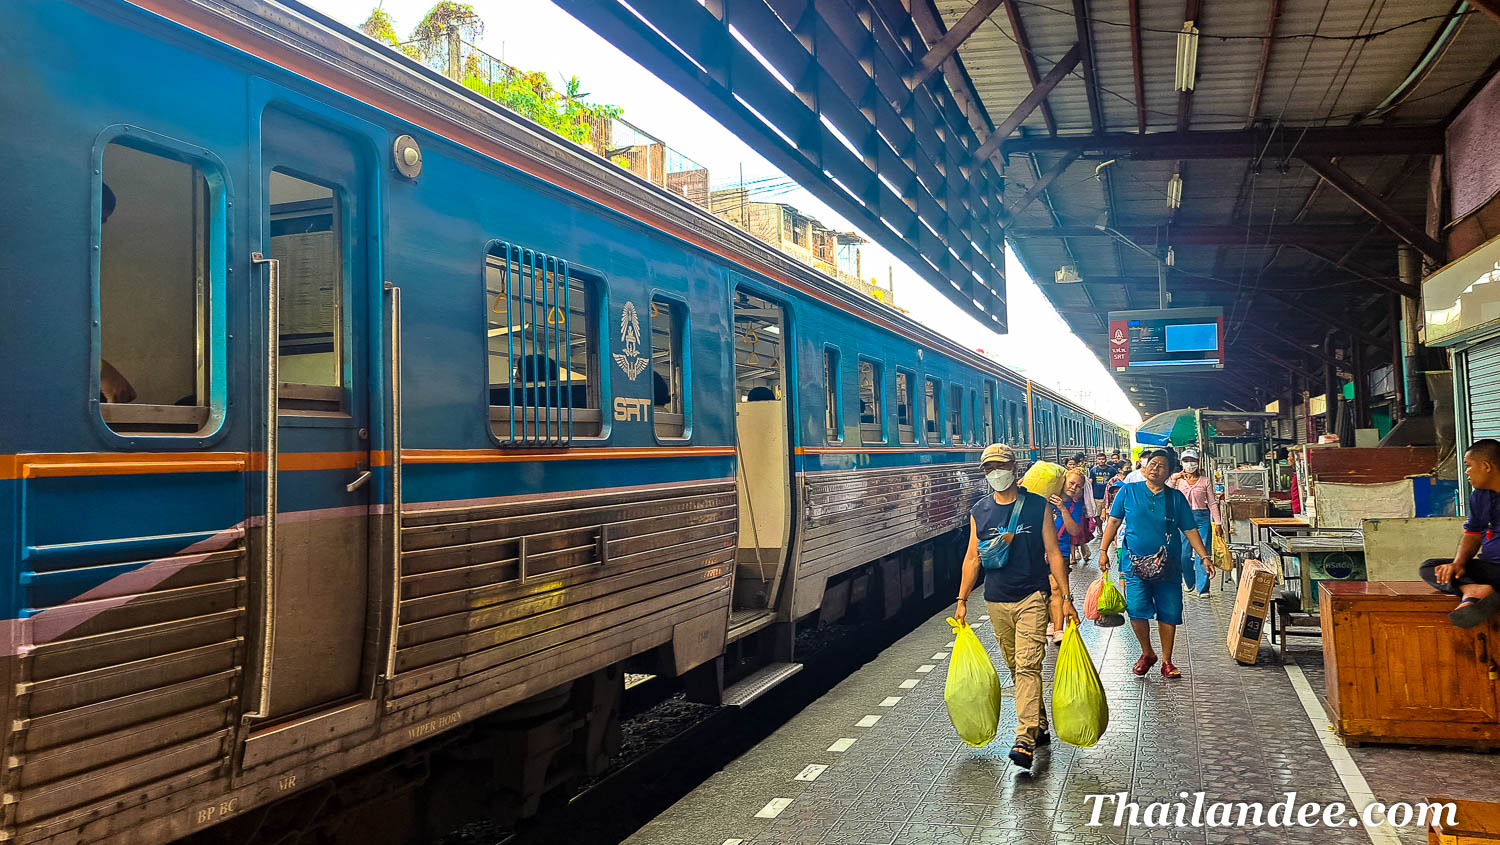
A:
1283, 171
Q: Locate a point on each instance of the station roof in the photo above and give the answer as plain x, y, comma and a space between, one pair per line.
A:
1303, 150
1287, 92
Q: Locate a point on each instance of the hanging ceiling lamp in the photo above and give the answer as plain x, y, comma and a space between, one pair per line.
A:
1187, 56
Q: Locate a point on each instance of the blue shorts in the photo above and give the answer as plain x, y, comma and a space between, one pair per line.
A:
1160, 599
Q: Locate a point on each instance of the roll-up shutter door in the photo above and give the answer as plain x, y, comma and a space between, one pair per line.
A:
1483, 367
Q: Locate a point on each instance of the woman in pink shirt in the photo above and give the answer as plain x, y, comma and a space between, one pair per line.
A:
1199, 490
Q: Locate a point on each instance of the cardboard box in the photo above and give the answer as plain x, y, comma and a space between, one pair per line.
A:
1477, 822
1251, 607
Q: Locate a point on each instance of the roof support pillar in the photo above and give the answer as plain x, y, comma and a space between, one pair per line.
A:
1376, 207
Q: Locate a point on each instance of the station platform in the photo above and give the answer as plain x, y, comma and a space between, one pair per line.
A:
877, 761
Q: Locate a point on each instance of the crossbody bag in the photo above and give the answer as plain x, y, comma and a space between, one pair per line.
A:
994, 553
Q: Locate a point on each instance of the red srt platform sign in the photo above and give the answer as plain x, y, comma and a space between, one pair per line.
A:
1168, 340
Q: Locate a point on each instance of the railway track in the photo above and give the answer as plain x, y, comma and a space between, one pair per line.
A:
672, 745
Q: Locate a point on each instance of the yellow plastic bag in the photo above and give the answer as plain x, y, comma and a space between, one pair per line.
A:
1222, 558
973, 689
1111, 600
1044, 479
1080, 712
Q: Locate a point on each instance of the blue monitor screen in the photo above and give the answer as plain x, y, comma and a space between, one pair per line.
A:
1192, 337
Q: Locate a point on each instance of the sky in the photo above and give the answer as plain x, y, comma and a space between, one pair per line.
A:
536, 35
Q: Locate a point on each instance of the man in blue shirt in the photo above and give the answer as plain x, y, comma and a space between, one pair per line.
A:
1154, 515
1099, 475
1474, 571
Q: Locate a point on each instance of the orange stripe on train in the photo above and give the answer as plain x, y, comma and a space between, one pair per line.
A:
42, 465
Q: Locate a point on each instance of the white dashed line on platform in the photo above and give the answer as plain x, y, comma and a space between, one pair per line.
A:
773, 808
910, 682
940, 655
925, 668
890, 701
811, 772
867, 722
841, 745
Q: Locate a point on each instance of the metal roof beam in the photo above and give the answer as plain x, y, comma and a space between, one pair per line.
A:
1273, 11
1286, 365
1028, 104
1028, 60
1240, 143
1376, 207
1090, 82
1040, 185
1490, 7
1135, 66
1297, 234
946, 46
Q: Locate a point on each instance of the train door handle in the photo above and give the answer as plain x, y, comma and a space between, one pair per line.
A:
358, 482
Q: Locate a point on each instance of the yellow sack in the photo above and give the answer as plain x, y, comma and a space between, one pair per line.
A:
1222, 558
1079, 711
973, 689
1044, 479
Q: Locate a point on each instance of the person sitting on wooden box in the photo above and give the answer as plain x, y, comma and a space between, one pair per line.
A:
1474, 571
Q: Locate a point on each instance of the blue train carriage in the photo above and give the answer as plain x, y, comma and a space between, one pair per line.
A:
308, 297
240, 307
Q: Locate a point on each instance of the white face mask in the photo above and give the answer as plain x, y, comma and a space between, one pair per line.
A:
1000, 479
1190, 466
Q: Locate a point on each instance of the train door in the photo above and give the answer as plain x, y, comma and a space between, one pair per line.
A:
763, 446
315, 594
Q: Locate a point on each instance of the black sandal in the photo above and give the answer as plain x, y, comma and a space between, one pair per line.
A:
1472, 613
1022, 754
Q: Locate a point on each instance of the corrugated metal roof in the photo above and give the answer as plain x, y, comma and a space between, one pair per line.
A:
1366, 50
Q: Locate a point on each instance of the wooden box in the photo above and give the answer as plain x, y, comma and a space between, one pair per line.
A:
1475, 823
1398, 671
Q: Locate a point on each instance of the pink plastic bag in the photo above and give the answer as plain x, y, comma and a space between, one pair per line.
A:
1091, 601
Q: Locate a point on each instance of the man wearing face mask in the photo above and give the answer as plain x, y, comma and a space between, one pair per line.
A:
1012, 542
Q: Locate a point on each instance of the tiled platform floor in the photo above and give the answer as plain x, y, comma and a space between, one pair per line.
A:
1237, 733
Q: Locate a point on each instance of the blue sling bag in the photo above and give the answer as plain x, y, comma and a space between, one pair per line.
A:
994, 553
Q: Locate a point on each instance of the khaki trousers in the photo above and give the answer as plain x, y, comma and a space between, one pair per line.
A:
1021, 629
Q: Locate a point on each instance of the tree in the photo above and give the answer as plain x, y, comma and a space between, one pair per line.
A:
529, 93
380, 27
446, 16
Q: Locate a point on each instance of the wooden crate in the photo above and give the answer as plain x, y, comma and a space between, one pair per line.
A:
1476, 823
1398, 671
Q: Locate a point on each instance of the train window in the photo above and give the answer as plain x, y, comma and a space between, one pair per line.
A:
758, 348
543, 365
973, 416
930, 414
832, 389
305, 237
871, 421
956, 416
668, 402
906, 428
987, 433
154, 285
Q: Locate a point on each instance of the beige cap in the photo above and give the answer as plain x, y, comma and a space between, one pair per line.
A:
998, 452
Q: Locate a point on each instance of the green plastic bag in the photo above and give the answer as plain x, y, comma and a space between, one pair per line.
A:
973, 689
1111, 600
1080, 712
